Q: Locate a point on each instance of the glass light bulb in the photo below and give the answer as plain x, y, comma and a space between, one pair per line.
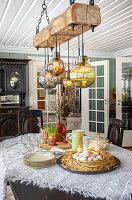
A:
46, 80
56, 66
82, 75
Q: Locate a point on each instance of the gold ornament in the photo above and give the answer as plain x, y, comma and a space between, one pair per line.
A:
67, 82
83, 74
56, 65
113, 94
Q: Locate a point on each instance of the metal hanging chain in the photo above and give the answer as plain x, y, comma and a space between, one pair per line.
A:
44, 10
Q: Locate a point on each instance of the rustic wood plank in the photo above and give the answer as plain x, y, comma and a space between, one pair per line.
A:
78, 14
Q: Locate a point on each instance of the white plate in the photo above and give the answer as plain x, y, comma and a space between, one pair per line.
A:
39, 157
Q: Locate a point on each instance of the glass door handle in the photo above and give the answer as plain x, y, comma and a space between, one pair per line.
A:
119, 100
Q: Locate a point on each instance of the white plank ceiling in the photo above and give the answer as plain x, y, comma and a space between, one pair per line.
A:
19, 18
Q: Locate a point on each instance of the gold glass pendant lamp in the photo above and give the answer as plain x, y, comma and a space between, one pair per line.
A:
56, 65
46, 80
82, 74
66, 81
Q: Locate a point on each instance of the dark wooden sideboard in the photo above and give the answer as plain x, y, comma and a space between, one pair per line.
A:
12, 94
9, 120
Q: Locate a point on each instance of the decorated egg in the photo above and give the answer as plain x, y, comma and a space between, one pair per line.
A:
85, 151
83, 159
75, 156
96, 148
92, 155
86, 155
81, 154
96, 153
99, 157
90, 159
95, 159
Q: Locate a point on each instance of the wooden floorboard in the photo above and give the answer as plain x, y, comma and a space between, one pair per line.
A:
128, 148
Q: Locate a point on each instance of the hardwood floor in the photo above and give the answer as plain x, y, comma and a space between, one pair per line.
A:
128, 148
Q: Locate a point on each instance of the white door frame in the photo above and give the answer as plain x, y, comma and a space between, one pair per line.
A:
127, 137
85, 102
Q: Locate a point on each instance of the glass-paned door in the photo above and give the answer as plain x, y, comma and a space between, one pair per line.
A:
95, 101
124, 96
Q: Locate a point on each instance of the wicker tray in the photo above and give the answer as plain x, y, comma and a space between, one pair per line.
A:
60, 145
88, 173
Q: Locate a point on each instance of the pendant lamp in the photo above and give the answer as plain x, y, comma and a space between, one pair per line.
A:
56, 65
46, 80
82, 74
66, 81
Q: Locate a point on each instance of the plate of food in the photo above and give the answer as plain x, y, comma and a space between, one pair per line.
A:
91, 162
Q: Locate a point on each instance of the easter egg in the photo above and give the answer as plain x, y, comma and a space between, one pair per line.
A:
90, 159
95, 159
86, 155
96, 148
99, 157
96, 153
75, 156
83, 159
92, 155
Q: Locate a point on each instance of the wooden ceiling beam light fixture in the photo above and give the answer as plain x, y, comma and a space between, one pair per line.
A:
76, 16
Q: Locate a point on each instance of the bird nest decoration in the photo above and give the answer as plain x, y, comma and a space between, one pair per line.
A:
113, 94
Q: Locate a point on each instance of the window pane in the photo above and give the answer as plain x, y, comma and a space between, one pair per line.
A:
100, 127
100, 94
100, 105
92, 115
92, 126
100, 82
100, 116
92, 94
100, 70
93, 85
92, 104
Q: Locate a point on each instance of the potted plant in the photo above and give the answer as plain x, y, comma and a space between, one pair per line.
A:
52, 130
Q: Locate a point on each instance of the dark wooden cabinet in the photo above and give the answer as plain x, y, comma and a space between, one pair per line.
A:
12, 94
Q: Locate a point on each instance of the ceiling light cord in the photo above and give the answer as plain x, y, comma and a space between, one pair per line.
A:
72, 2
91, 2
82, 44
78, 47
56, 45
47, 55
68, 58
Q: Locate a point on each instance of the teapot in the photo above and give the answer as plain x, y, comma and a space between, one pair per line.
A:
77, 139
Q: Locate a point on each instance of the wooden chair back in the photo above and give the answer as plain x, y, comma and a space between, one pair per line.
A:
115, 131
28, 121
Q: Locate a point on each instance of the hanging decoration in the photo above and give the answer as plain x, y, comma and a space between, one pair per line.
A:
46, 80
56, 65
82, 74
66, 81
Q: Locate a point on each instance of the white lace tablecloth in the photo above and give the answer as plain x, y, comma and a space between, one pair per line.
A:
115, 185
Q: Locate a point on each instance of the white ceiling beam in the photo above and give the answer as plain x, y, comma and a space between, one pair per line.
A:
5, 12
23, 18
17, 14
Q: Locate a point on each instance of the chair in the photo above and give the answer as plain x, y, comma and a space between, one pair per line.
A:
115, 131
28, 121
